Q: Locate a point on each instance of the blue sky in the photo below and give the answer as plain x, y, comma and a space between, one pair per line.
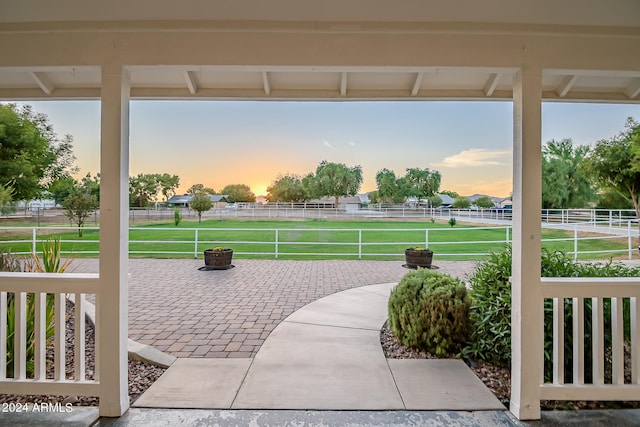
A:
251, 142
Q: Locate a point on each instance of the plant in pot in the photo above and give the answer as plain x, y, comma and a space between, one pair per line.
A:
418, 257
218, 258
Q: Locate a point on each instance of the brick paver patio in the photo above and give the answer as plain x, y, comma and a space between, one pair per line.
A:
229, 313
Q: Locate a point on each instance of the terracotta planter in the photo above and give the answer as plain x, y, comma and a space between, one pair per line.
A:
418, 258
218, 258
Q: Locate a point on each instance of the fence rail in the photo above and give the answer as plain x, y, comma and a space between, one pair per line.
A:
612, 217
360, 243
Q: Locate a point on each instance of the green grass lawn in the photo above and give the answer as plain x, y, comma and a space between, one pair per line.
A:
308, 239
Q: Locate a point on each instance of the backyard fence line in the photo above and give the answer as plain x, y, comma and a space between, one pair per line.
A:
298, 210
360, 244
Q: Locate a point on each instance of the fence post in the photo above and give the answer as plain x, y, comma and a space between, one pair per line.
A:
33, 241
276, 243
426, 238
195, 246
610, 219
359, 243
575, 242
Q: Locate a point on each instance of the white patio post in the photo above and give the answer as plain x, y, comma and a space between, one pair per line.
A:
526, 312
114, 241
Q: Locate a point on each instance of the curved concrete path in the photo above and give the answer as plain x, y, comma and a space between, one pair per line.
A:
327, 355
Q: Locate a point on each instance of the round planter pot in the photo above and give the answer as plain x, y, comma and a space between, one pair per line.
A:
218, 258
418, 259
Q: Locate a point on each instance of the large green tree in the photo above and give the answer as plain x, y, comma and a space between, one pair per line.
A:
614, 163
565, 180
286, 188
167, 185
335, 180
61, 188
31, 155
484, 202
392, 189
144, 188
424, 182
6, 195
461, 203
200, 188
239, 193
91, 184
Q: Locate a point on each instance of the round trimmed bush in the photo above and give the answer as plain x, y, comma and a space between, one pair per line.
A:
430, 311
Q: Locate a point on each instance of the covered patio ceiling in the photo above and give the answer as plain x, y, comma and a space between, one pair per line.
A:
317, 83
320, 50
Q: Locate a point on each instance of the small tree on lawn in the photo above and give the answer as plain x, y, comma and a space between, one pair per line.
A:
200, 203
78, 206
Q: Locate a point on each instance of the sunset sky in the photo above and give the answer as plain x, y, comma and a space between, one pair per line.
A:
250, 142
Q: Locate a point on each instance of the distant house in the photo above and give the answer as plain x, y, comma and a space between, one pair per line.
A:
413, 202
350, 203
218, 200
447, 200
36, 204
505, 203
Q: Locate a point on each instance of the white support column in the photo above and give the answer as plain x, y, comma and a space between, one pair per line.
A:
114, 241
526, 311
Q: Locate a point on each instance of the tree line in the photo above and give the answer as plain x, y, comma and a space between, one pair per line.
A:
605, 175
35, 162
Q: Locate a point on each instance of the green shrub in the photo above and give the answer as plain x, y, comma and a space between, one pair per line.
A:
177, 217
452, 221
430, 311
491, 308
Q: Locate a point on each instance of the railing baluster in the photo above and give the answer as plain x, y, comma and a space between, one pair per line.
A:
597, 322
79, 339
195, 247
96, 340
20, 335
617, 334
40, 335
59, 337
558, 340
3, 335
635, 337
578, 340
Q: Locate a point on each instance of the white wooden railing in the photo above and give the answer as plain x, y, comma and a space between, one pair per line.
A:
40, 285
598, 290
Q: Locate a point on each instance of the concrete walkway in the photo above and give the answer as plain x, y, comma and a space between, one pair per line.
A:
185, 312
325, 356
